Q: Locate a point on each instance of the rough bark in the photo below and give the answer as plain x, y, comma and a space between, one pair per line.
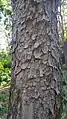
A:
65, 53
35, 85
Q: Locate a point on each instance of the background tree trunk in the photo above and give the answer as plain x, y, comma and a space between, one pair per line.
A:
35, 85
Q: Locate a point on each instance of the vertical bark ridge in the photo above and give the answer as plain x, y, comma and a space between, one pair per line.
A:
35, 77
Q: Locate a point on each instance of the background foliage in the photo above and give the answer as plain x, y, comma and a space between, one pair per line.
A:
5, 68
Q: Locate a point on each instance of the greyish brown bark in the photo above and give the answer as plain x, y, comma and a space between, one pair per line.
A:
35, 85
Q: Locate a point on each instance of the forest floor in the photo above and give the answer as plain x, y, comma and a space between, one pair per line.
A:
4, 99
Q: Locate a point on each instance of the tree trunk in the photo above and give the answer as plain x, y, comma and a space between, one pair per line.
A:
35, 85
